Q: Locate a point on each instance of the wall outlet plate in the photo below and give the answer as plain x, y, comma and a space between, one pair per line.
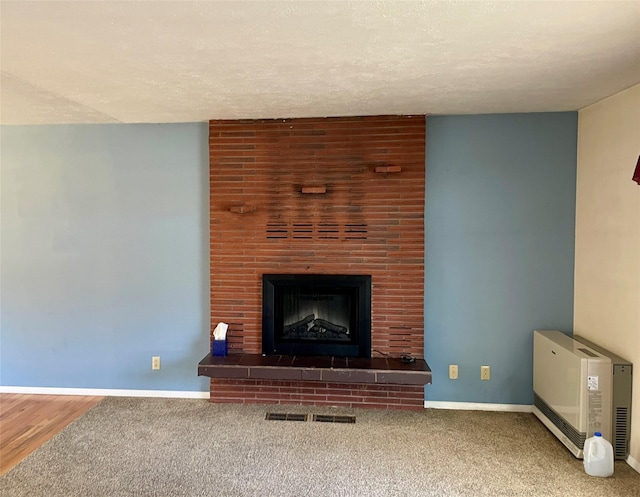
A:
155, 362
485, 373
453, 371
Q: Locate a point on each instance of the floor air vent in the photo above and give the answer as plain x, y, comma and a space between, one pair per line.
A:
282, 416
324, 418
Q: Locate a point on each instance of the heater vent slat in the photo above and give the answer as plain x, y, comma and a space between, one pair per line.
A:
576, 437
621, 445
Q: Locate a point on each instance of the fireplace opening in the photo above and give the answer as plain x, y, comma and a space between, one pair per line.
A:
316, 315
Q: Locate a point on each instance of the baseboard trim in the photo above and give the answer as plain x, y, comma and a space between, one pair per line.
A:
634, 463
106, 392
475, 406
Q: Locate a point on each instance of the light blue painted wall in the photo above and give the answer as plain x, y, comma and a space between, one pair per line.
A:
104, 255
104, 239
499, 227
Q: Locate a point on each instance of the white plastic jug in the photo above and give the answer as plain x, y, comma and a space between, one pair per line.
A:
598, 456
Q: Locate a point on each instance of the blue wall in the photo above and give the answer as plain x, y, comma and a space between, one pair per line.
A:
104, 255
104, 235
500, 211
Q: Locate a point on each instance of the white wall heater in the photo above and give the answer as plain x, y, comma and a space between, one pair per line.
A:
573, 386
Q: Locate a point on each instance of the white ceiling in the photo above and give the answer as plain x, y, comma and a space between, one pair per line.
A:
181, 61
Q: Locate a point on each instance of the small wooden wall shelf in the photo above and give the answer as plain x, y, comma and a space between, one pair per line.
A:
314, 190
242, 209
388, 169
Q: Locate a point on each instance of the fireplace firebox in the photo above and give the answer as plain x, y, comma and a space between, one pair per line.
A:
316, 315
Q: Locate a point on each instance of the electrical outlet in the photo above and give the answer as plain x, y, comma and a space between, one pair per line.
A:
453, 371
155, 362
485, 372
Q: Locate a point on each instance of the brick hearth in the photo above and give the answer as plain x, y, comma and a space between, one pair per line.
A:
326, 195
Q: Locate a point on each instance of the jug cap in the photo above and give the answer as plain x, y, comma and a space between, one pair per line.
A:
597, 434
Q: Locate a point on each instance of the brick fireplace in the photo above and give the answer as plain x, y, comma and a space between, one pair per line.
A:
328, 196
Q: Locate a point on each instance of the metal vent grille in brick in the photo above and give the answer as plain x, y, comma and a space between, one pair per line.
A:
302, 230
326, 418
283, 416
277, 230
319, 231
355, 231
328, 231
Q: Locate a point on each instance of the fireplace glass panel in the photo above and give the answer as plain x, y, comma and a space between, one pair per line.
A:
317, 315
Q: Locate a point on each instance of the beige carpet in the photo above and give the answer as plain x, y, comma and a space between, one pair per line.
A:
170, 447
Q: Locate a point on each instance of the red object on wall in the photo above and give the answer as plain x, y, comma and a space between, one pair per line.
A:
636, 174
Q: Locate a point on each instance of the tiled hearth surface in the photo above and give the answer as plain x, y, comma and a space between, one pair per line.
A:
377, 370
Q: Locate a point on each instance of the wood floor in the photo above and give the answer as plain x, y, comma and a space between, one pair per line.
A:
28, 421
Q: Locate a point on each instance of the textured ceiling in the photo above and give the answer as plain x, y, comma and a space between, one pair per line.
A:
180, 61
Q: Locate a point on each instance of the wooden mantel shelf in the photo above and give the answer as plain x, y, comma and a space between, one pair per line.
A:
377, 370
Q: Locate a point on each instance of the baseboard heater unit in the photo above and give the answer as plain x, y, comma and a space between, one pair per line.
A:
580, 388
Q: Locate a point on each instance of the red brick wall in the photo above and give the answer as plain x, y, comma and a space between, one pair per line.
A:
367, 222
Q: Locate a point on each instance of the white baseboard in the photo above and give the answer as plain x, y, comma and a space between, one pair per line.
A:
474, 406
106, 392
635, 464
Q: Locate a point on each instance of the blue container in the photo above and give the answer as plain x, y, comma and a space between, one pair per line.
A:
219, 348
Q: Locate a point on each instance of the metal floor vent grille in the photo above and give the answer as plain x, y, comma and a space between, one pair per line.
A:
325, 418
283, 416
